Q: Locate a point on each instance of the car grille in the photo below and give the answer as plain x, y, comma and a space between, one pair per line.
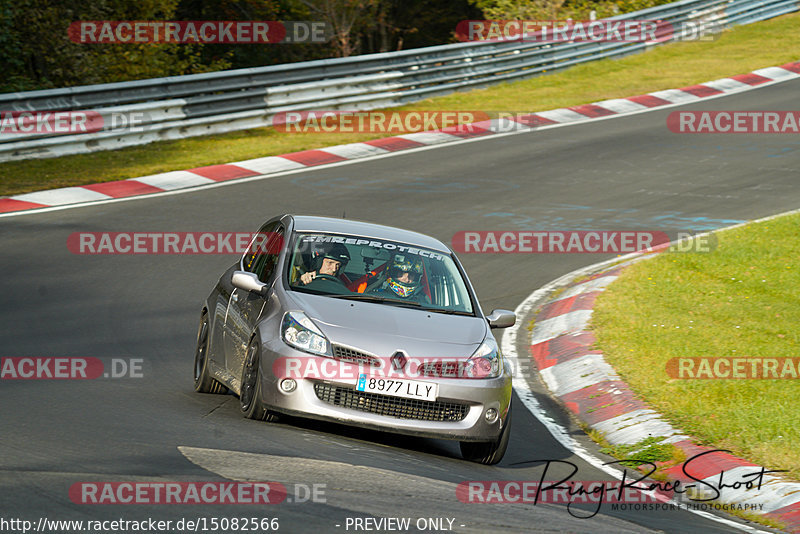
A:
402, 408
444, 369
353, 356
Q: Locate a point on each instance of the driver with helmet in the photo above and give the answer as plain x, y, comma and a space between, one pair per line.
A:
327, 263
403, 279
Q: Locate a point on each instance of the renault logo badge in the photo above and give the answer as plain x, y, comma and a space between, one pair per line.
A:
399, 360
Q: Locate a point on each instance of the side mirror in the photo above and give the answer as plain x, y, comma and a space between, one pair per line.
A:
501, 319
248, 282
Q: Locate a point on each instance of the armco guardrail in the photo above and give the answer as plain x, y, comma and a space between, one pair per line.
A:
202, 104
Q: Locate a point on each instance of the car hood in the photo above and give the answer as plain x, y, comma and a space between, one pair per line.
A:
383, 329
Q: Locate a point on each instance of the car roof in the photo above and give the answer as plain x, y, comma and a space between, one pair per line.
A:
307, 223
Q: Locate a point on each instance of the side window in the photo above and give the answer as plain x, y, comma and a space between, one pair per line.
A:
265, 266
263, 254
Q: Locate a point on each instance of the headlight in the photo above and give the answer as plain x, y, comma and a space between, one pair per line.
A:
301, 333
485, 362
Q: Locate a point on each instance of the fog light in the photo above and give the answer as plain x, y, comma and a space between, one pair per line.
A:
288, 385
491, 415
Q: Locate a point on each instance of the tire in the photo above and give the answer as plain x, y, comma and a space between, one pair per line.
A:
203, 381
488, 452
250, 395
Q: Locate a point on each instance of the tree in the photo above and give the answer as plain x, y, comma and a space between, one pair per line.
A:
40, 55
343, 16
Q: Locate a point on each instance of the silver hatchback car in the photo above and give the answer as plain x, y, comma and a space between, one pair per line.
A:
360, 324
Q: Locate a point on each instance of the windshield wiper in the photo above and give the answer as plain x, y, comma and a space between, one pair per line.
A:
450, 312
373, 298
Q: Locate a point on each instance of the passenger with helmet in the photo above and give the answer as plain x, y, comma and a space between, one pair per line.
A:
327, 264
404, 279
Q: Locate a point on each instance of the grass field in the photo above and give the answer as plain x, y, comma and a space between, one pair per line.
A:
740, 301
736, 51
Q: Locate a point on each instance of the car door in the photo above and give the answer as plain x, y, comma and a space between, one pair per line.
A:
220, 299
245, 307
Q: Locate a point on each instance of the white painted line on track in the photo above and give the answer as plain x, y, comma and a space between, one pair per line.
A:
621, 105
354, 150
727, 84
64, 195
574, 321
676, 96
175, 180
578, 373
269, 164
587, 287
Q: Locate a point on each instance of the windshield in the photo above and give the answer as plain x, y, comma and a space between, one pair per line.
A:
376, 270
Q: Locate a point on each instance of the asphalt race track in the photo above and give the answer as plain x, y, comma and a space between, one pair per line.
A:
627, 173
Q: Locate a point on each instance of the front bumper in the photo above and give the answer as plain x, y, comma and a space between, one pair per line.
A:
458, 413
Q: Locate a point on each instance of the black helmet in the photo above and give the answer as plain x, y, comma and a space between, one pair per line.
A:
333, 251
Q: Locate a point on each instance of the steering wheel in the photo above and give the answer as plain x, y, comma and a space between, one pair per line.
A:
327, 277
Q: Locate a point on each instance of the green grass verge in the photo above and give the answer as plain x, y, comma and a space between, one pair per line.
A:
648, 450
737, 51
740, 300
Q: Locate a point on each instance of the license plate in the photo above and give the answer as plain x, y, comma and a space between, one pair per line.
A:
409, 389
